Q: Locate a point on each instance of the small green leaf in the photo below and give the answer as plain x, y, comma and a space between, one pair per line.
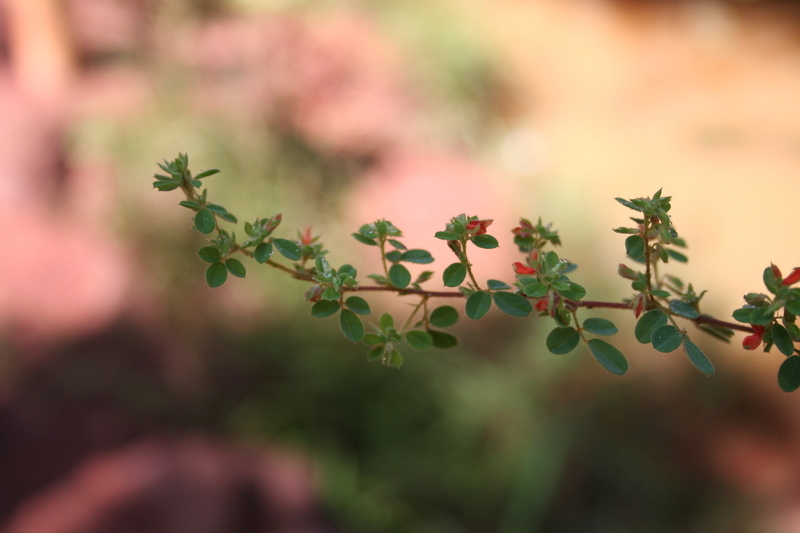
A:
497, 285
447, 235
394, 359
677, 256
324, 308
782, 339
454, 275
697, 357
563, 340
793, 306
648, 323
209, 254
666, 339
386, 321
634, 247
599, 326
235, 267
744, 314
206, 173
574, 292
330, 294
608, 356
478, 304
512, 303
628, 204
166, 185
420, 257
194, 206
397, 244
216, 274
627, 231
419, 340
485, 241
351, 325
399, 276
204, 221
684, 309
263, 252
789, 374
442, 339
365, 240
288, 249
659, 293
371, 339
393, 256
535, 289
357, 305
444, 316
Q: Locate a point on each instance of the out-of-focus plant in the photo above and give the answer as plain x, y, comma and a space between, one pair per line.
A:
541, 283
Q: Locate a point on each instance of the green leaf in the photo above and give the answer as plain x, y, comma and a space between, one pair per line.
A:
444, 316
659, 293
393, 256
394, 359
684, 309
371, 339
512, 303
599, 326
447, 235
782, 339
454, 275
628, 204
351, 325
535, 289
575, 291
324, 308
386, 321
209, 254
666, 339
442, 339
497, 285
357, 305
330, 294
648, 323
204, 221
420, 257
627, 231
376, 353
789, 374
397, 244
478, 304
793, 306
771, 280
263, 252
697, 357
762, 316
744, 314
166, 185
563, 340
216, 274
608, 356
235, 267
206, 173
194, 206
634, 247
485, 241
365, 240
288, 249
399, 276
677, 256
419, 340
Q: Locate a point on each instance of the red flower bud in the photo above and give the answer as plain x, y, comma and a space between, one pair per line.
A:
541, 305
479, 225
792, 278
751, 342
306, 238
776, 271
521, 269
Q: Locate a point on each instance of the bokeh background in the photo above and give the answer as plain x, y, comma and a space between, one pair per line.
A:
134, 398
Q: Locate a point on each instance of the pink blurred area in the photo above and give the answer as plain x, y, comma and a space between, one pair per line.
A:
607, 99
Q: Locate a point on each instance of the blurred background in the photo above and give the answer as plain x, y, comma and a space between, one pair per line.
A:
134, 398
